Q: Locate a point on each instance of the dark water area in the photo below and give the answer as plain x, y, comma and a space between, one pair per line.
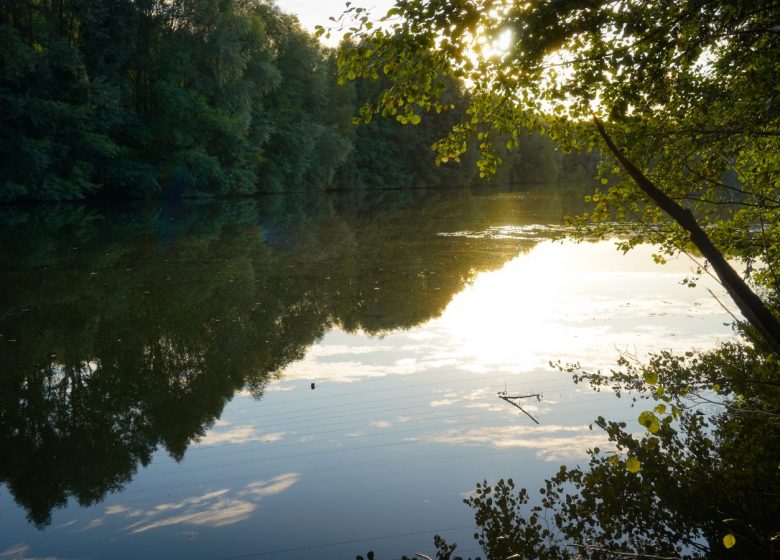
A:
298, 375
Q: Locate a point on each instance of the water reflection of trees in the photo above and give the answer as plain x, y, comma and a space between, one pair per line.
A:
127, 331
703, 483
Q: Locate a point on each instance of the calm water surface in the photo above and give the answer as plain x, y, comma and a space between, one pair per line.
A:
304, 377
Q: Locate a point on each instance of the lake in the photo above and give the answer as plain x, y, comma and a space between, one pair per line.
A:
306, 376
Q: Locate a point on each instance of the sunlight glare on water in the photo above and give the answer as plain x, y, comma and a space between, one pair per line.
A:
565, 301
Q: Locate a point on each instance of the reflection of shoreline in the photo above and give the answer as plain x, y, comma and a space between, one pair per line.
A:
125, 332
565, 301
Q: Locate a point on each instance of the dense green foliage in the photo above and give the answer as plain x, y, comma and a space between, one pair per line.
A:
190, 98
688, 91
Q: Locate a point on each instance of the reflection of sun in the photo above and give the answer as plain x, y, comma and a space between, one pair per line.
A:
566, 301
510, 309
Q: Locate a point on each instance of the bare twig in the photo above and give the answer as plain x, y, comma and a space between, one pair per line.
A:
726, 309
511, 400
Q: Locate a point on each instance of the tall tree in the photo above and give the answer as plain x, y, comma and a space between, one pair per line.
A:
683, 93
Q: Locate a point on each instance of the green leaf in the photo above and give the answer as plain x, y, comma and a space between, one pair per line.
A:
651, 377
649, 421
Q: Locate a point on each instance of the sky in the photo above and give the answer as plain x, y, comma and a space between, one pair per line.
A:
317, 12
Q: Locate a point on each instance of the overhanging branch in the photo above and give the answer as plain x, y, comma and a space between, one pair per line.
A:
749, 304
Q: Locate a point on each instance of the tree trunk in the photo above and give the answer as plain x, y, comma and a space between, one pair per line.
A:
749, 304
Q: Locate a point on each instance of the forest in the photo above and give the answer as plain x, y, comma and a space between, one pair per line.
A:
204, 98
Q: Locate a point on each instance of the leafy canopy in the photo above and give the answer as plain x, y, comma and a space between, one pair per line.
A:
688, 90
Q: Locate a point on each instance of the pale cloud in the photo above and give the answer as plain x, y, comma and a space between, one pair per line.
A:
217, 514
443, 402
478, 394
194, 501
95, 523
487, 407
320, 364
551, 443
115, 510
329, 350
19, 552
469, 397
263, 488
279, 388
238, 435
15, 551
421, 335
381, 424
213, 509
333, 372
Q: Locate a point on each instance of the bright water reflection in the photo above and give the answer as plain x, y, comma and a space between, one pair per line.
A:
157, 370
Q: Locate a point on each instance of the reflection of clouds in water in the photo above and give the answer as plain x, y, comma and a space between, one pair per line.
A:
237, 435
278, 387
351, 370
219, 513
421, 335
573, 302
214, 509
551, 443
19, 552
124, 511
443, 402
94, 524
469, 396
355, 434
325, 351
487, 406
263, 488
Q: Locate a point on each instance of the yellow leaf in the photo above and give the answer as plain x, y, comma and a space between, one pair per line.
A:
729, 540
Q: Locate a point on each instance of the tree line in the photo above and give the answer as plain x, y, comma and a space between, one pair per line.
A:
199, 98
